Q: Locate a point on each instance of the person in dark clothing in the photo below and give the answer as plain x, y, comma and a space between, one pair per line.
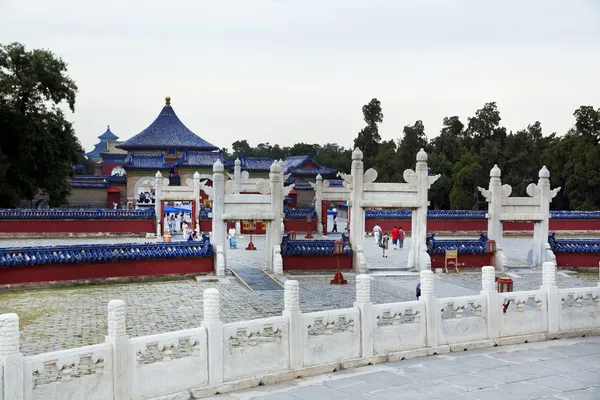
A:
334, 223
418, 290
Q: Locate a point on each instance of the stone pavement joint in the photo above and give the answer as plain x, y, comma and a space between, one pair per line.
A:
560, 369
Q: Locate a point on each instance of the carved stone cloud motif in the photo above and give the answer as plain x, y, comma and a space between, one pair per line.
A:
370, 176
263, 187
410, 177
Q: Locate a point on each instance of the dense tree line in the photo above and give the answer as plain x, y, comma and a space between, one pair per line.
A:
464, 153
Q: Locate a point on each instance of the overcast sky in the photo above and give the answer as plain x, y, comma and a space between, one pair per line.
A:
300, 70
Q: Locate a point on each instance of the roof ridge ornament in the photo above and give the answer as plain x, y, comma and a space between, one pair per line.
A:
168, 101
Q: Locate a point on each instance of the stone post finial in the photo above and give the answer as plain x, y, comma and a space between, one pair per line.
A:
427, 283
276, 167
158, 175
421, 156
495, 172
319, 177
9, 335
116, 318
548, 273
237, 162
488, 279
218, 166
357, 154
291, 296
212, 312
196, 175
363, 289
544, 173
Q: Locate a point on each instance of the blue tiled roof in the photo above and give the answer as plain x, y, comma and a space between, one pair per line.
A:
574, 245
102, 253
99, 147
75, 213
256, 163
200, 158
292, 162
167, 131
317, 247
90, 185
464, 246
108, 135
146, 162
324, 171
299, 213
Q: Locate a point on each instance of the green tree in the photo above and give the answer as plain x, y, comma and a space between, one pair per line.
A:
485, 125
38, 145
466, 176
368, 138
413, 140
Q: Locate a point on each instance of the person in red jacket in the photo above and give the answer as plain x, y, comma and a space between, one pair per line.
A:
395, 234
401, 236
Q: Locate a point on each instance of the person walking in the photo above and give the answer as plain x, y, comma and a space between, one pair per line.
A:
384, 244
376, 232
401, 236
418, 290
334, 223
395, 234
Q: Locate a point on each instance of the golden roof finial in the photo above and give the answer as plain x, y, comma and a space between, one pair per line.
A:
168, 101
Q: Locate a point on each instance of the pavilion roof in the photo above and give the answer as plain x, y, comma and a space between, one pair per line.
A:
146, 162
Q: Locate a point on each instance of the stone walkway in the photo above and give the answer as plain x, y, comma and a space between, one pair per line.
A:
561, 369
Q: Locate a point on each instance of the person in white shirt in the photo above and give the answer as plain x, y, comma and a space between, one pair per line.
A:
231, 232
184, 229
376, 232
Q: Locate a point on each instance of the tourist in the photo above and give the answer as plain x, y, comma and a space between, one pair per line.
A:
384, 244
231, 232
181, 221
418, 290
172, 224
376, 232
115, 205
232, 238
401, 236
334, 223
184, 229
395, 234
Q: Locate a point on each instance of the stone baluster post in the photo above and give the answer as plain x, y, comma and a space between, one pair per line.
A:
419, 236
291, 301
318, 203
495, 206
118, 339
281, 213
433, 316
274, 226
196, 216
489, 289
554, 301
11, 360
237, 177
357, 213
214, 329
218, 225
157, 203
541, 228
363, 302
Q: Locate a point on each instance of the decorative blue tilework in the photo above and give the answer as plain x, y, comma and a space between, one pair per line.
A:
256, 163
102, 145
315, 247
102, 253
299, 213
75, 213
573, 245
90, 185
167, 131
146, 162
464, 246
200, 158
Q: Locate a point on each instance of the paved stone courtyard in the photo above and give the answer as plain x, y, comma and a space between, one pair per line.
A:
565, 369
59, 318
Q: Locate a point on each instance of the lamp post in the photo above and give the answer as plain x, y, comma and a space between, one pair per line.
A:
308, 222
251, 229
338, 250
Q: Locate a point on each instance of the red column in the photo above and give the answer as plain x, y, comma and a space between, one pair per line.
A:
324, 216
162, 217
194, 215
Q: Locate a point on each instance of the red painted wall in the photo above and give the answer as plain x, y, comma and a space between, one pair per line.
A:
566, 260
78, 226
70, 272
107, 167
307, 263
299, 225
464, 260
480, 225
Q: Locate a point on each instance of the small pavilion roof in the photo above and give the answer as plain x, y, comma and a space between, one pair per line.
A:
108, 135
167, 131
294, 165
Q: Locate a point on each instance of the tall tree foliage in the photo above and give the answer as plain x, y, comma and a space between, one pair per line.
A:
368, 138
38, 145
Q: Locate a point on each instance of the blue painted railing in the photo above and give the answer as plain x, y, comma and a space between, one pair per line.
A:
470, 214
573, 245
464, 246
291, 247
75, 213
299, 213
82, 254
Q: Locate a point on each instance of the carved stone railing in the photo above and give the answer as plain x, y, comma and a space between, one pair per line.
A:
217, 358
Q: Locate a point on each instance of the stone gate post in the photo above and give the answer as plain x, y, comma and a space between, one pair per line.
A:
495, 206
363, 302
218, 225
357, 213
196, 216
419, 224
11, 360
274, 226
214, 329
431, 308
541, 228
318, 200
549, 285
119, 341
157, 203
291, 301
489, 289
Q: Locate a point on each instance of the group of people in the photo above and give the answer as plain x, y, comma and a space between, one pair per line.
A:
146, 197
382, 238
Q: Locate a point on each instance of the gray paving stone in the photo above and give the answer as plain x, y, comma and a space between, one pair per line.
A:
527, 389
588, 377
385, 378
472, 382
560, 383
506, 374
315, 392
361, 387
494, 393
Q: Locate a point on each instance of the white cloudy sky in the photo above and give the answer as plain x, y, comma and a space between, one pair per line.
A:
289, 70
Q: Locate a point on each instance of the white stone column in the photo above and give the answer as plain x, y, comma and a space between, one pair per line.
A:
11, 360
237, 172
554, 305
118, 339
541, 228
218, 225
196, 215
357, 213
157, 203
419, 236
291, 301
495, 206
489, 289
214, 329
433, 316
281, 213
363, 302
318, 200
273, 234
